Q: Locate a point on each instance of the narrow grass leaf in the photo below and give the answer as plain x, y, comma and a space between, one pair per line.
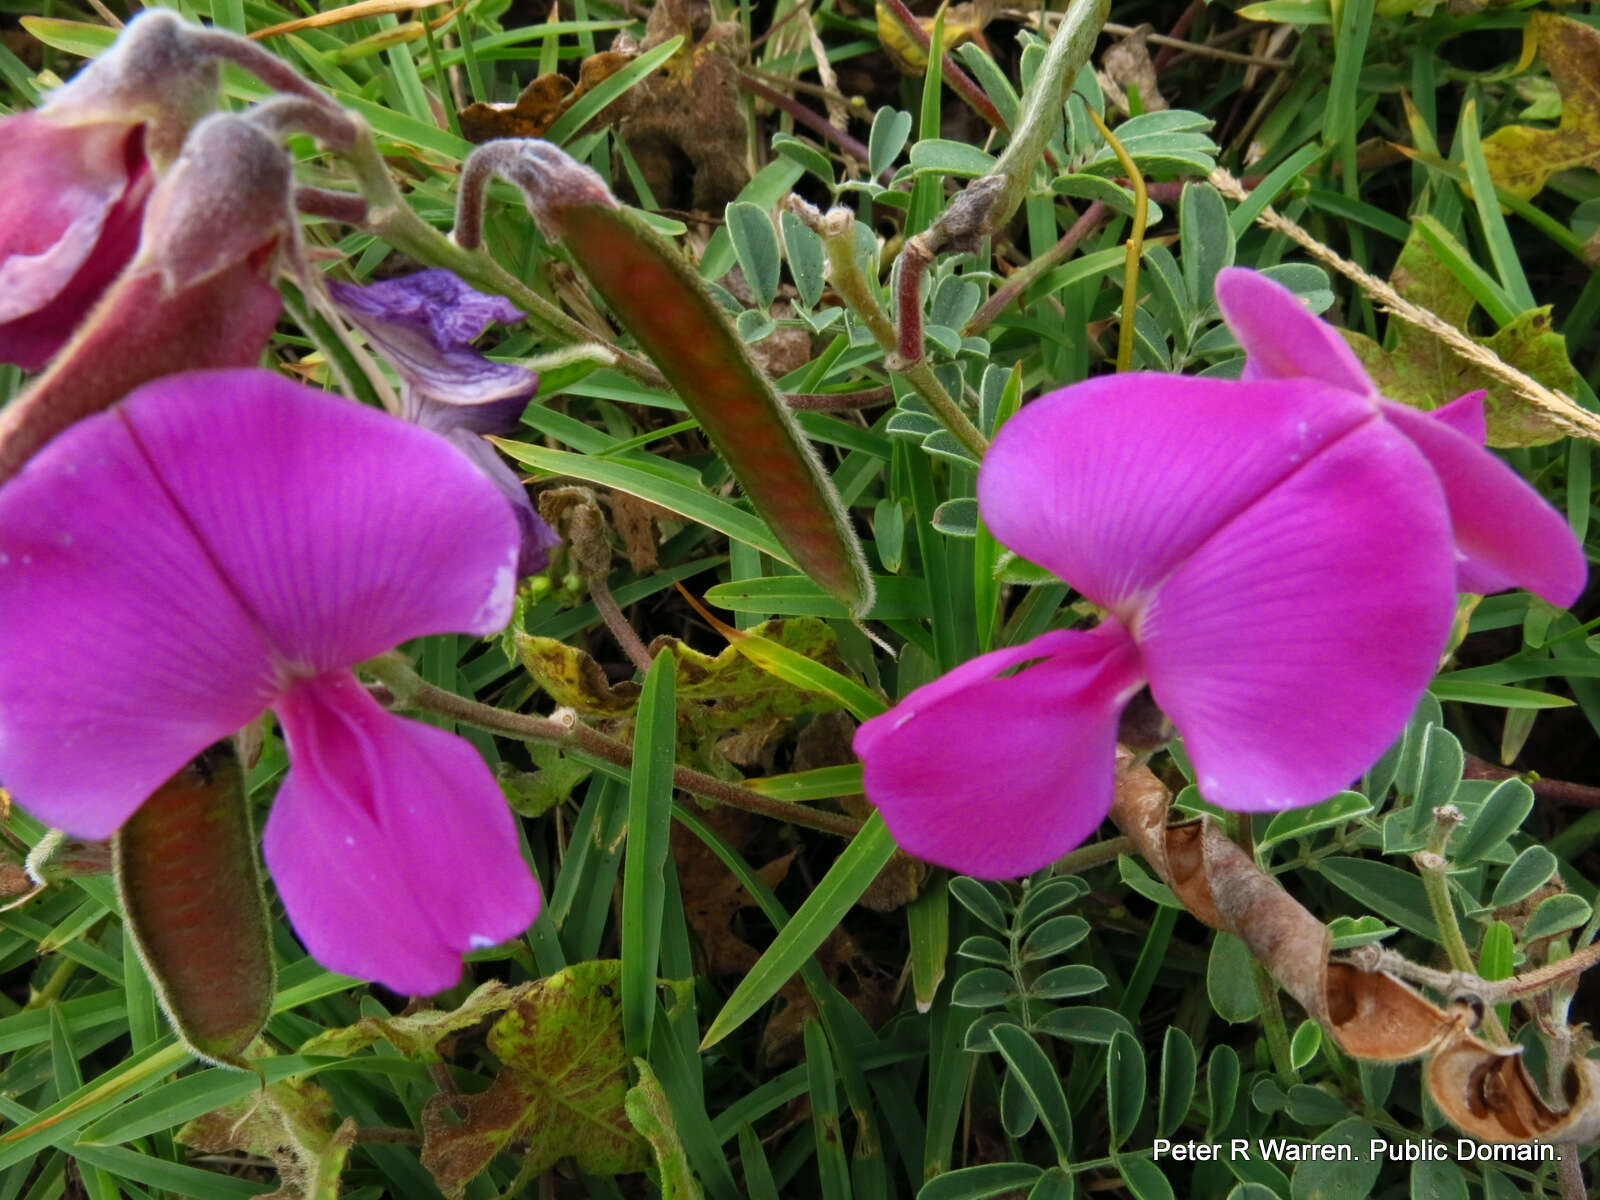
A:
834, 895
805, 674
649, 827
928, 923
1502, 250
833, 1170
592, 101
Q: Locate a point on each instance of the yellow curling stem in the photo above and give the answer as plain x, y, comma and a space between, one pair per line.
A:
1130, 270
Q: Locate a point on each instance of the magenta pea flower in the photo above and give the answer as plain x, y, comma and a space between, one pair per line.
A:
78, 173
223, 542
1278, 560
425, 324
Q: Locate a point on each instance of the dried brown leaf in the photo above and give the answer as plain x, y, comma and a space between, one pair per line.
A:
1485, 1090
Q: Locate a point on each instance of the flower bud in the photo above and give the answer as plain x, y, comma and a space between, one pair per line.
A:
198, 294
81, 170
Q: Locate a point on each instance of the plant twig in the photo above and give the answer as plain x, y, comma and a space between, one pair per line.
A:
564, 729
1556, 791
1490, 991
837, 230
1093, 217
1559, 409
1130, 269
1435, 871
811, 120
839, 401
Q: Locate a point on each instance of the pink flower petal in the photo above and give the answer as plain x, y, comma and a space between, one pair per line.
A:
63, 181
1505, 534
1115, 481
1281, 338
390, 843
1290, 649
343, 530
1465, 415
123, 652
997, 775
70, 224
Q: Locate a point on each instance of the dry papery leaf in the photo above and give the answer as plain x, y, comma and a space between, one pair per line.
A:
544, 99
1126, 64
1484, 1090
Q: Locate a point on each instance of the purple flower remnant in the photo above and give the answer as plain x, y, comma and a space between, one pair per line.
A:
425, 325
1278, 559
222, 542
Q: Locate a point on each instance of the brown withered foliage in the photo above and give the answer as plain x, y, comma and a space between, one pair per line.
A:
1484, 1090
685, 125
544, 99
713, 895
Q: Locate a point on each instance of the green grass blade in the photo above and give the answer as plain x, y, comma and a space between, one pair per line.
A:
835, 894
649, 826
1502, 251
691, 502
591, 102
833, 1171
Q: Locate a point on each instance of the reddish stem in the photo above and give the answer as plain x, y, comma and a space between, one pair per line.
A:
1556, 791
1180, 29
811, 120
954, 75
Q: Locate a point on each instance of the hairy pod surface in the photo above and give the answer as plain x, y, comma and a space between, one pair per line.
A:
191, 893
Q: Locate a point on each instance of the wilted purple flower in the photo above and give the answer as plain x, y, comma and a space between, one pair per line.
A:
78, 173
425, 324
1278, 559
221, 542
198, 294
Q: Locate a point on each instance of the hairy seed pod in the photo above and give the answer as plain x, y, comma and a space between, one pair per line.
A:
190, 890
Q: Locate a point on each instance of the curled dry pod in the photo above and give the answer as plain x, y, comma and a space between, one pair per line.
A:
190, 889
655, 294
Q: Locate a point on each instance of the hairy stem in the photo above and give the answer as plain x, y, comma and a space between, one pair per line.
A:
838, 232
1435, 871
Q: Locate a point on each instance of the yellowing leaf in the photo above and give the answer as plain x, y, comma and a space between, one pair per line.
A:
561, 1091
962, 23
1423, 372
417, 1035
293, 1125
1522, 158
728, 689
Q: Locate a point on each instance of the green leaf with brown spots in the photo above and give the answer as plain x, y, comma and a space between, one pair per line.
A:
1522, 158
561, 1091
1423, 372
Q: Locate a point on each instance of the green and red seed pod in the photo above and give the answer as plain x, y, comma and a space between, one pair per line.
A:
190, 889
